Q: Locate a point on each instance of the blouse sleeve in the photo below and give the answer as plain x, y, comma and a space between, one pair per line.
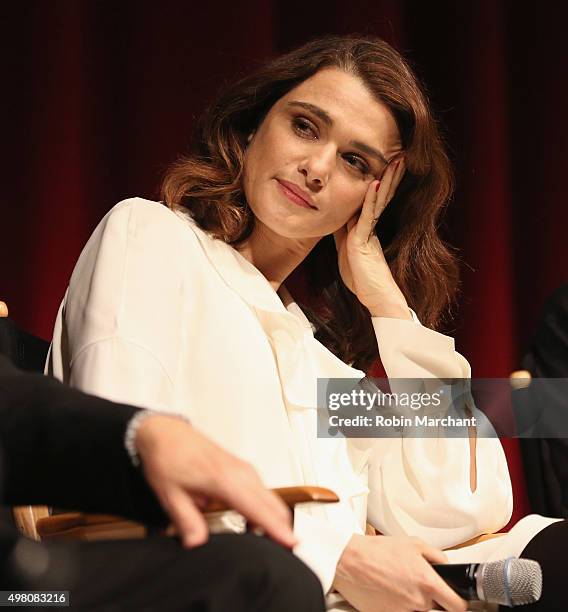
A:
106, 341
421, 486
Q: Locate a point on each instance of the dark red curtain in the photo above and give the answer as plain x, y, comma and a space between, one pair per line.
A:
98, 98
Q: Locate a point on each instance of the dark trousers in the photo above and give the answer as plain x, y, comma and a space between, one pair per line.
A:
230, 572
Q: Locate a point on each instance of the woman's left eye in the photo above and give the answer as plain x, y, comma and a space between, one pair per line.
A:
357, 163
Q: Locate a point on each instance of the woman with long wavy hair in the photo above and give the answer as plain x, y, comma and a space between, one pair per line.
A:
328, 159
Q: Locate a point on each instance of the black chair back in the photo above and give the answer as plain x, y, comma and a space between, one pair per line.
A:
24, 350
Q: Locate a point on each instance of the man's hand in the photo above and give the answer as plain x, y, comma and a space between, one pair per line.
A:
185, 469
384, 573
3, 310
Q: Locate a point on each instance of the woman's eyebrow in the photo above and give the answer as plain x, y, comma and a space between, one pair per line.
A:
316, 110
326, 118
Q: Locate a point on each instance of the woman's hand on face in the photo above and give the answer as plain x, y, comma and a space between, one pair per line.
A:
362, 263
384, 573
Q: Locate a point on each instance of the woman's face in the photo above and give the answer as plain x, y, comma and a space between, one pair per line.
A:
309, 163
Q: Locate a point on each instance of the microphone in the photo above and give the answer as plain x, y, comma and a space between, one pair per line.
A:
508, 582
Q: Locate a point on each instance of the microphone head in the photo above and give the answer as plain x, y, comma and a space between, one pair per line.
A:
511, 582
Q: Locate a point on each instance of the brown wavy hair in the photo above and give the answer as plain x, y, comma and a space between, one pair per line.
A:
208, 183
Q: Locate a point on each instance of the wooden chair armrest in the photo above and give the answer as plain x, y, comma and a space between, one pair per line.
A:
26, 517
72, 527
482, 538
290, 496
370, 530
79, 525
51, 525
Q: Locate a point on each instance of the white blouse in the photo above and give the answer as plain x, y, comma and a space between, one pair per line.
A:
160, 315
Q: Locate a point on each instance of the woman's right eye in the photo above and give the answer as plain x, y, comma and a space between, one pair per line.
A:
304, 127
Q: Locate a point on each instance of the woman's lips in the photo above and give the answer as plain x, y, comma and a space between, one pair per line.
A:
293, 197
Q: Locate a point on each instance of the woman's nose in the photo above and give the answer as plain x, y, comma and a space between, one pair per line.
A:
318, 166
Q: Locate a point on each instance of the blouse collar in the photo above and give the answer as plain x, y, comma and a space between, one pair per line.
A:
301, 359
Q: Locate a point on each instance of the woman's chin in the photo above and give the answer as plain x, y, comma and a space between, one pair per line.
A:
291, 227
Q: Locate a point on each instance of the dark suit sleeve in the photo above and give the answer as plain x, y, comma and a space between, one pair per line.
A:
64, 448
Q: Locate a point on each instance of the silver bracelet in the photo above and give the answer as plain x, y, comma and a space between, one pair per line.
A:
130, 435
132, 431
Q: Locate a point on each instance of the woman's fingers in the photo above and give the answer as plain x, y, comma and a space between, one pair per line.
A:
379, 194
445, 596
395, 575
366, 221
398, 173
390, 182
441, 593
3, 309
432, 554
